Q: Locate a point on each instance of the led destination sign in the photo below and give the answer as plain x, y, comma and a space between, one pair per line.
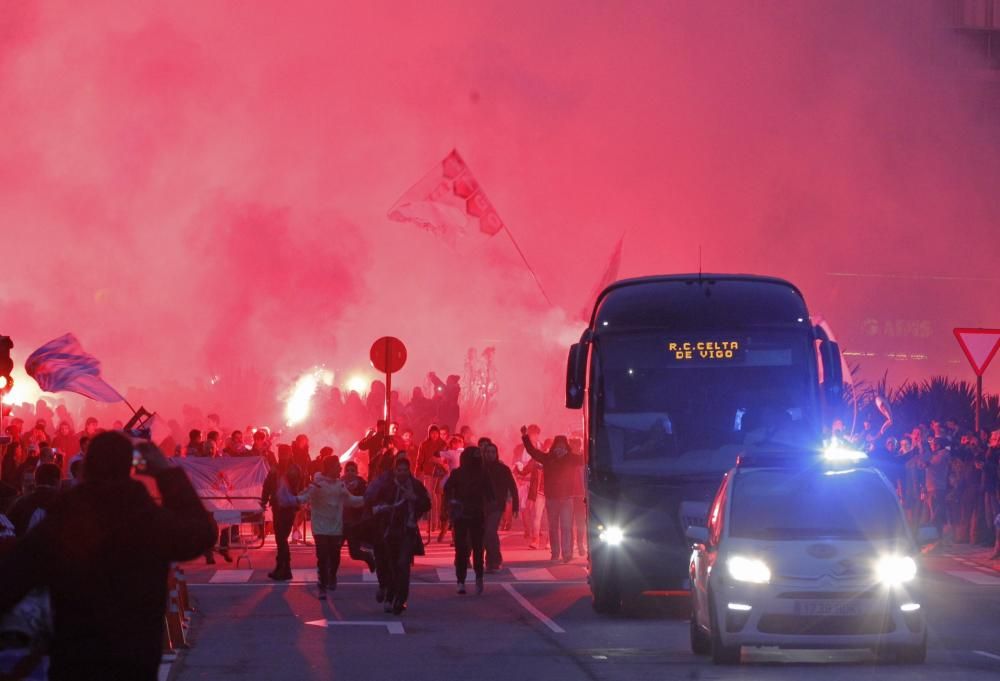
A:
706, 350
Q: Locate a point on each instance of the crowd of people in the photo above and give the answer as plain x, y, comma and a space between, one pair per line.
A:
70, 510
945, 476
393, 490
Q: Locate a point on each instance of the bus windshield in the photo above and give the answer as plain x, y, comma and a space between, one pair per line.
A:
688, 402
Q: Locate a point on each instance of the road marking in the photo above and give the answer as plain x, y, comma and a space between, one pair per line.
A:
526, 604
231, 577
986, 654
532, 574
447, 575
367, 576
975, 576
393, 627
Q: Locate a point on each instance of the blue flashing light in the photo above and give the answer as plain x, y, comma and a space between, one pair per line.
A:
836, 452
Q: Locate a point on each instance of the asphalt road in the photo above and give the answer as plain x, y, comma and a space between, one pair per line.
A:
532, 622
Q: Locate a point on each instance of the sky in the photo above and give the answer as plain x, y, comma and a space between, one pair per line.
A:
199, 191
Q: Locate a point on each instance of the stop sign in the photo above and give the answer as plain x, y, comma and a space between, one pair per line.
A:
388, 354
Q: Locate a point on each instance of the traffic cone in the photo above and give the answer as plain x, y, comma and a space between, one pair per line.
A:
175, 617
167, 647
175, 626
182, 592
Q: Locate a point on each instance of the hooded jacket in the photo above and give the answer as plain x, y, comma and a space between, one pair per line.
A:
103, 550
328, 498
469, 491
558, 470
398, 517
504, 486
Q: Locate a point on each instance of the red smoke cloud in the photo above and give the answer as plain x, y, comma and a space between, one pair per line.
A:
201, 190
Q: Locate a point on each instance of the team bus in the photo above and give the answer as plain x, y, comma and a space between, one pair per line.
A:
678, 375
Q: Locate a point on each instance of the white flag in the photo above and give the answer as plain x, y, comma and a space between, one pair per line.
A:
448, 201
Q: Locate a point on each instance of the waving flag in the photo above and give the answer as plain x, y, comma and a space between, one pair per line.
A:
62, 365
448, 201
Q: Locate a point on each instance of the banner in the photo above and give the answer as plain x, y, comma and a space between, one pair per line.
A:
448, 201
227, 483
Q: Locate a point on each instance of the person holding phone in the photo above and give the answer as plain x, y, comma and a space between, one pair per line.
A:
103, 550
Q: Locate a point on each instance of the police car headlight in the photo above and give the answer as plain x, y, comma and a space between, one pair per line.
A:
893, 570
750, 570
612, 536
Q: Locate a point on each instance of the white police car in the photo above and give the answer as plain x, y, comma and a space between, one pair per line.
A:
803, 552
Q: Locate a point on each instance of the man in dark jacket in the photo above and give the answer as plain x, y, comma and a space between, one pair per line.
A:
46, 488
282, 484
354, 517
502, 481
399, 501
559, 465
468, 494
103, 550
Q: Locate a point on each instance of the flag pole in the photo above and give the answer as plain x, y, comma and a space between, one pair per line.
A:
528, 265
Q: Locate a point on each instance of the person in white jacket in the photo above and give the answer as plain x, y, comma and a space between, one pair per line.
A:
328, 497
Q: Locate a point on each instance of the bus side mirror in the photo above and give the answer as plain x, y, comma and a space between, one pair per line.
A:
697, 535
576, 375
833, 373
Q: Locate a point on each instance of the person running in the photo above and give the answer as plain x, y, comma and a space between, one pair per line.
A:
504, 487
354, 526
328, 497
468, 493
281, 488
400, 501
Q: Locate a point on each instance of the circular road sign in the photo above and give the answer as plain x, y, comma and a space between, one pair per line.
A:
388, 354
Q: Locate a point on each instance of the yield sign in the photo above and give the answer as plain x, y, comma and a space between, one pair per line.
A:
980, 346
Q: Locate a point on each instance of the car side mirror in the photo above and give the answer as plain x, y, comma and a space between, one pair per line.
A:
927, 534
697, 535
576, 375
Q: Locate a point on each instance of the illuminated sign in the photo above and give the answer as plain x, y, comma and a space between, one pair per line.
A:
708, 350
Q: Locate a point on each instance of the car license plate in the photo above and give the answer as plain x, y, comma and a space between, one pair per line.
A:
828, 608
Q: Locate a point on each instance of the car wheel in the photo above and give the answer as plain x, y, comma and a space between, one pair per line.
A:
701, 644
915, 654
721, 654
607, 599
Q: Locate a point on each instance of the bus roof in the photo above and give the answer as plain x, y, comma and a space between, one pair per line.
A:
699, 301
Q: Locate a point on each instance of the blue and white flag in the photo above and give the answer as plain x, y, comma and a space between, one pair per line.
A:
62, 365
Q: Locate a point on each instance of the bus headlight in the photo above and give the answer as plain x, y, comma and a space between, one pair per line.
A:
612, 536
750, 570
895, 570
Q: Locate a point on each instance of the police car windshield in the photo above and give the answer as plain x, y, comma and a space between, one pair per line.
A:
681, 403
811, 504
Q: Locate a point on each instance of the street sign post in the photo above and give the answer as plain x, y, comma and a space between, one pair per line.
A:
980, 347
388, 355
